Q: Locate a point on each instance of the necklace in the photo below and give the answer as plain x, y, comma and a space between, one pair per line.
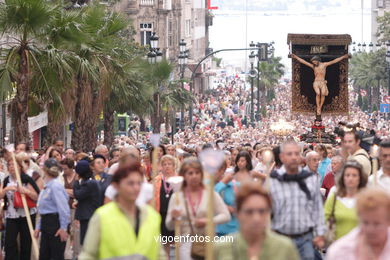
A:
167, 188
194, 206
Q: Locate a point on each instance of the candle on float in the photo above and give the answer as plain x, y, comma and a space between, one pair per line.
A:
268, 158
374, 155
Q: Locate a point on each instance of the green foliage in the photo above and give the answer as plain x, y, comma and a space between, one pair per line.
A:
270, 95
270, 73
360, 101
263, 111
367, 69
384, 27
217, 61
365, 104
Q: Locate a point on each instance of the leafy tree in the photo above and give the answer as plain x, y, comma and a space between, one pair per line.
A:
29, 55
168, 95
270, 73
384, 27
368, 71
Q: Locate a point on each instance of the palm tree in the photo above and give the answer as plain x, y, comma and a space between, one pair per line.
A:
62, 34
25, 56
131, 95
368, 71
168, 95
270, 73
100, 63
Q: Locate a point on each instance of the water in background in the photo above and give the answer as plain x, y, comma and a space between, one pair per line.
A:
228, 30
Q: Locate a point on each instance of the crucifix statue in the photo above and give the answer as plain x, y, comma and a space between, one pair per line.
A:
319, 84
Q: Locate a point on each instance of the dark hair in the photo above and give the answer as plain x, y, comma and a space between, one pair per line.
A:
248, 159
207, 146
256, 144
58, 140
276, 152
123, 172
151, 152
323, 148
385, 143
248, 189
68, 162
363, 178
26, 144
54, 150
113, 151
354, 133
218, 141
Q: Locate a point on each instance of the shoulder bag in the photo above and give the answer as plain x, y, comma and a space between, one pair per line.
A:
330, 235
197, 248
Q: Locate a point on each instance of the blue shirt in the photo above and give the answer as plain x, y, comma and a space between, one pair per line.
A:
227, 193
322, 168
54, 199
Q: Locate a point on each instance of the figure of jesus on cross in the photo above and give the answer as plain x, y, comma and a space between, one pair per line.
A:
319, 84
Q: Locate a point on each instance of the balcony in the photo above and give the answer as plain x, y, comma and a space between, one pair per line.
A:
146, 3
167, 5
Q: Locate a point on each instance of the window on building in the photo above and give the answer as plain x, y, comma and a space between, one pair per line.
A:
145, 33
380, 3
170, 41
188, 28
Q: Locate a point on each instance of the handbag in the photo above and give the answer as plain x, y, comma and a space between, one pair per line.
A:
198, 249
330, 235
18, 204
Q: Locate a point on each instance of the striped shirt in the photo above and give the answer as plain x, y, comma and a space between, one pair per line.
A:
293, 212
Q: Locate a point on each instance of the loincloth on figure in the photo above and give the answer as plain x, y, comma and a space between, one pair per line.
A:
320, 87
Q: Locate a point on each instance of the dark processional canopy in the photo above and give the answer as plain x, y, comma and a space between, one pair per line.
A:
328, 47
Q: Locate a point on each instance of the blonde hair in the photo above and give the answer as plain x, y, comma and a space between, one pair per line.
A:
21, 158
372, 198
168, 157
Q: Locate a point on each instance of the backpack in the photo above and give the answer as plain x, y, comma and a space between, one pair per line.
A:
369, 158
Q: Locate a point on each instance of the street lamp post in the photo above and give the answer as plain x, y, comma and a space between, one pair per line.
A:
200, 62
388, 65
263, 51
182, 63
154, 56
252, 58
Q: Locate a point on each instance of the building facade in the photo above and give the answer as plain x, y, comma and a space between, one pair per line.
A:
173, 20
378, 8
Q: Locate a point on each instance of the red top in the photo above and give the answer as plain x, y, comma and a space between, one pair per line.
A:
328, 183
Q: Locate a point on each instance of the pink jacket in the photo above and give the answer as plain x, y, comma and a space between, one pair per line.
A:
346, 247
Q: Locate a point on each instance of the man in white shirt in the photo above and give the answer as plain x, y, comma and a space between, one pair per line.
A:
383, 176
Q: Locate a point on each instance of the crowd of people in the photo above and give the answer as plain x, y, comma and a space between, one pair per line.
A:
276, 197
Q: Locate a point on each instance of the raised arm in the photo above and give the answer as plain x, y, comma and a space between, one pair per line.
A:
336, 60
302, 60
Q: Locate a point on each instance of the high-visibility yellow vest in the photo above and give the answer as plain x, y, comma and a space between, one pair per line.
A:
118, 239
